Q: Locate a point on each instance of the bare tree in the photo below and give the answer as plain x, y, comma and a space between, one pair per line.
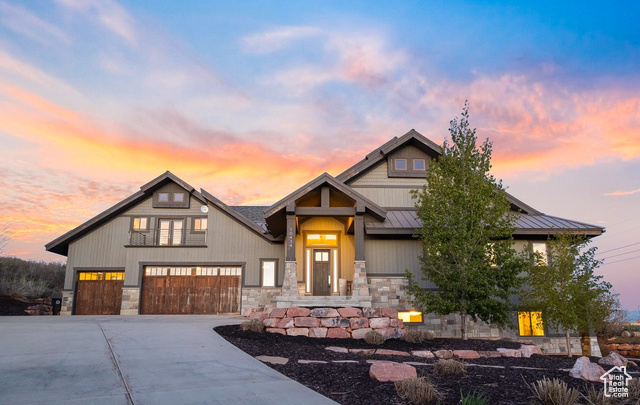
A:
4, 237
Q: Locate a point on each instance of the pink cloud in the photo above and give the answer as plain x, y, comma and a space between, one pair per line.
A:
623, 193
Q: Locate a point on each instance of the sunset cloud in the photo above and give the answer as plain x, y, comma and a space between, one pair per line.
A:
623, 193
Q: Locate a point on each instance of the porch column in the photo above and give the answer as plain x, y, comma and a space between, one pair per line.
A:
290, 282
360, 285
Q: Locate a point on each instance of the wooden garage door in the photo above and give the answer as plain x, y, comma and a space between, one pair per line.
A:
99, 293
190, 290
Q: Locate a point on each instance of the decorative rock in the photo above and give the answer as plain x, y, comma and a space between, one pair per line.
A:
370, 312
345, 361
297, 311
364, 352
247, 312
278, 312
258, 315
306, 322
338, 333
423, 353
337, 349
391, 333
510, 352
350, 312
335, 322
358, 323
396, 323
415, 363
379, 322
586, 370
324, 312
312, 362
529, 350
625, 347
277, 330
389, 313
385, 352
489, 354
635, 334
318, 332
359, 333
625, 334
271, 322
273, 359
285, 323
389, 371
443, 354
298, 331
466, 354
613, 359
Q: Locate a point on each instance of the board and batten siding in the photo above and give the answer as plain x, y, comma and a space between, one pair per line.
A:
101, 248
145, 208
389, 197
390, 257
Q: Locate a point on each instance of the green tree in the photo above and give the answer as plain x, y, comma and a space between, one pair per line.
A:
467, 229
566, 289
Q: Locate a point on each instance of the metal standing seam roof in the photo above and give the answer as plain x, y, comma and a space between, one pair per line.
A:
407, 221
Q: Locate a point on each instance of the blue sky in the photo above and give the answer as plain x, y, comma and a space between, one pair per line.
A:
251, 99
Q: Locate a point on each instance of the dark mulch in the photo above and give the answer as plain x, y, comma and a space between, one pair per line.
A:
350, 383
12, 307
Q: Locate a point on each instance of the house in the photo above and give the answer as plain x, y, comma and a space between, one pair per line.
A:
344, 240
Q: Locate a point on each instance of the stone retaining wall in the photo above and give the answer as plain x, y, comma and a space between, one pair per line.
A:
348, 322
625, 349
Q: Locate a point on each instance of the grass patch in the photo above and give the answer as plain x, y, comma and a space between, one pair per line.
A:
418, 391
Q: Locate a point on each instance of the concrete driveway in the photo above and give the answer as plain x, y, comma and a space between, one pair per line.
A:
134, 360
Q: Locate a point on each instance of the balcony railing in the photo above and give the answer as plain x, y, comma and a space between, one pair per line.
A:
166, 237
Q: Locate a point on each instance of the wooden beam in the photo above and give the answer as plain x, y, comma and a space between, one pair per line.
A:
326, 212
290, 238
324, 197
359, 234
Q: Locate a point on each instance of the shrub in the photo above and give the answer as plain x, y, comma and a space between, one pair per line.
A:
554, 392
474, 398
254, 325
417, 391
374, 338
417, 335
23, 279
634, 391
594, 396
449, 367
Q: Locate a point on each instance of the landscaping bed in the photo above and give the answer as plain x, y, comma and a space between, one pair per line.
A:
12, 307
500, 379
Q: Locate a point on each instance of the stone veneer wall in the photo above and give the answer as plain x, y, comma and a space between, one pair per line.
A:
130, 301
259, 297
67, 303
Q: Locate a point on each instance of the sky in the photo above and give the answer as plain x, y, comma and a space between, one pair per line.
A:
250, 100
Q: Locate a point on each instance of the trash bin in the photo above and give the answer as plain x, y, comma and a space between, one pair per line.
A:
56, 303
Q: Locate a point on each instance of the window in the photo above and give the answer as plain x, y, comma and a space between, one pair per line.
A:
268, 270
140, 224
163, 197
400, 164
178, 197
199, 224
170, 232
530, 323
540, 251
419, 164
410, 316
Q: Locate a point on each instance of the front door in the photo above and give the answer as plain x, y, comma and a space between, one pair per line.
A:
321, 272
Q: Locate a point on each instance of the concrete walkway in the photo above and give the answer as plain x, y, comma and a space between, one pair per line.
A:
134, 360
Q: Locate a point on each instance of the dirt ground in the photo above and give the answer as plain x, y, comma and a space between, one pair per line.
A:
349, 383
12, 307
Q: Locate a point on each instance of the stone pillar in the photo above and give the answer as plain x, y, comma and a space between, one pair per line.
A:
130, 301
290, 282
67, 303
360, 285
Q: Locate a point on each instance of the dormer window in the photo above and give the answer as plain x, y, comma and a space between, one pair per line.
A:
400, 164
163, 197
178, 197
419, 164
170, 199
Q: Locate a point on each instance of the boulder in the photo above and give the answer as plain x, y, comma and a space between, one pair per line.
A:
586, 370
386, 352
635, 334
335, 322
443, 354
389, 313
271, 322
359, 323
277, 330
396, 323
371, 312
297, 311
350, 312
306, 322
625, 334
391, 333
390, 371
258, 315
509, 352
360, 333
466, 354
298, 331
278, 312
378, 323
423, 353
338, 333
285, 323
529, 350
318, 332
625, 347
324, 312
613, 359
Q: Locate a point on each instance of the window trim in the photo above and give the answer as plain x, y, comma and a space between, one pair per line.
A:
544, 332
275, 272
193, 224
173, 197
171, 230
395, 164
424, 165
546, 256
145, 229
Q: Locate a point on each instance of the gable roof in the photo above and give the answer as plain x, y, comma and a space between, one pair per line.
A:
60, 245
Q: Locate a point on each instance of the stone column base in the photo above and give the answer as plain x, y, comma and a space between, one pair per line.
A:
290, 282
130, 301
360, 285
67, 303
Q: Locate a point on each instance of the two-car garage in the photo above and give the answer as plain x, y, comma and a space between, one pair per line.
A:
165, 290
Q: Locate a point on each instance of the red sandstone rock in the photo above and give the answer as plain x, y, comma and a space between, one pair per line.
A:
298, 331
396, 323
335, 322
360, 333
339, 333
510, 352
466, 354
247, 312
337, 349
389, 371
285, 323
297, 311
324, 312
258, 315
386, 352
423, 353
613, 359
389, 313
318, 332
271, 322
625, 346
278, 312
391, 333
306, 322
277, 330
586, 370
350, 312
443, 354
370, 312
358, 323
529, 350
365, 352
379, 322
487, 354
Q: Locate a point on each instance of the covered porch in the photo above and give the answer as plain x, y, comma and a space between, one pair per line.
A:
323, 228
